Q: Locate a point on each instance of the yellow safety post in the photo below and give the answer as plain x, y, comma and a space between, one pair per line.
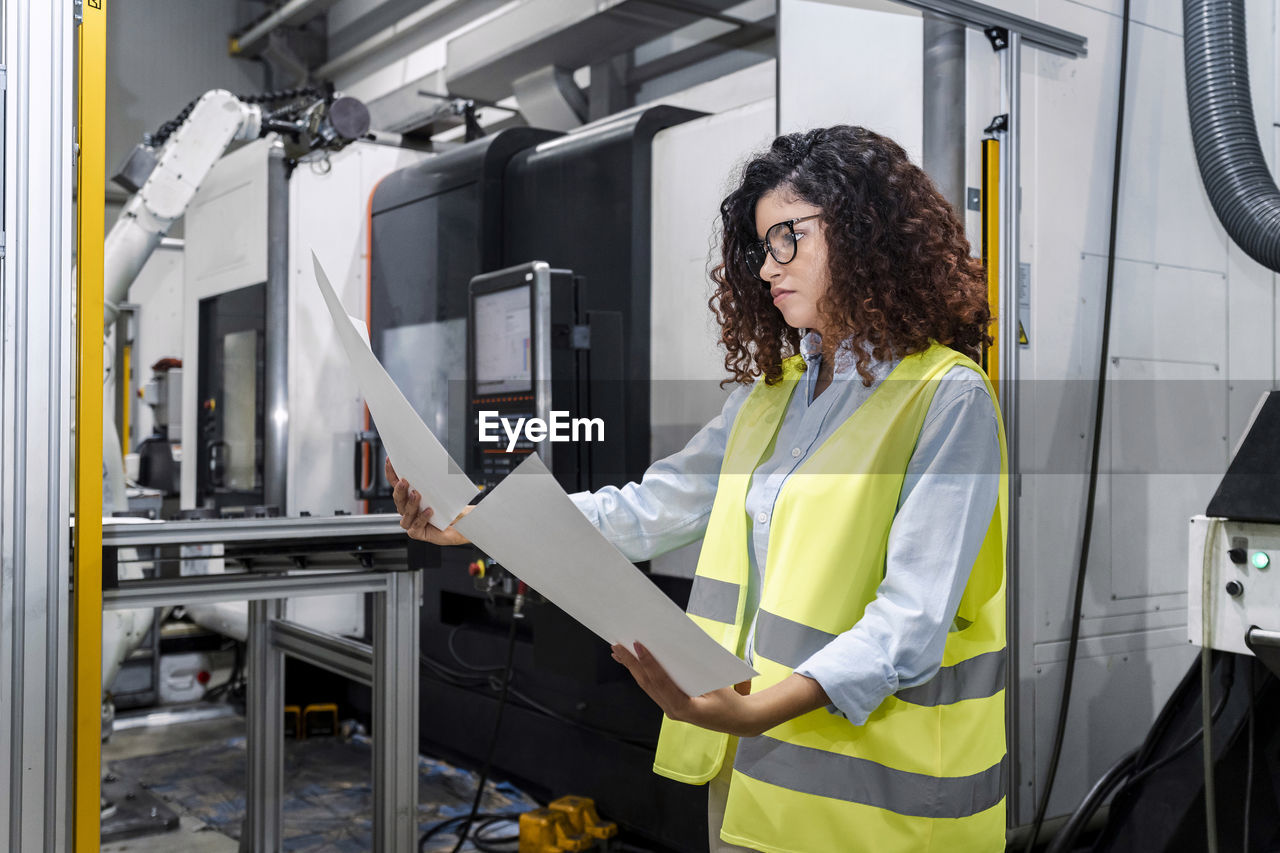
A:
991, 251
87, 572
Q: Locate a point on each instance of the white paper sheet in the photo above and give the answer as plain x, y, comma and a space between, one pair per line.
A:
529, 525
414, 450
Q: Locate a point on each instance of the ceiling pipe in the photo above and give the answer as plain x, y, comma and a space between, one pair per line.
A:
295, 12
380, 41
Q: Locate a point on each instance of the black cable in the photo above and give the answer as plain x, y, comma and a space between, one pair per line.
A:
1073, 646
445, 824
479, 832
1133, 766
458, 659
165, 130
493, 737
1228, 681
1248, 774
1066, 837
473, 680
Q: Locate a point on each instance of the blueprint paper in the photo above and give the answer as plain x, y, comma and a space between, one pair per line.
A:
530, 526
417, 454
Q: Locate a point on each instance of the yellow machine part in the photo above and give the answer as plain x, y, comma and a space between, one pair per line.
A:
319, 719
549, 831
583, 817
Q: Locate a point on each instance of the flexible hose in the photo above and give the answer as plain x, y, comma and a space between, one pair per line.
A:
1235, 174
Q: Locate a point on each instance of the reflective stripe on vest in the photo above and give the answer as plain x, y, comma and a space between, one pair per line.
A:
791, 644
714, 600
857, 780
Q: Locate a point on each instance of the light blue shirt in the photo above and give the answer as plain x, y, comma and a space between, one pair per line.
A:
944, 509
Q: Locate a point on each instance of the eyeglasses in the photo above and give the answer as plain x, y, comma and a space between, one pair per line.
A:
779, 241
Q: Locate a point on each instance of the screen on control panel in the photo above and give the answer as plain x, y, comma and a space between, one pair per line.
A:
504, 342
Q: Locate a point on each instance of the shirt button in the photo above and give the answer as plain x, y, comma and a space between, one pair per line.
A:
795, 451
762, 517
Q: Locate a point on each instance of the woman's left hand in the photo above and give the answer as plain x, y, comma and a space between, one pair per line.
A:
723, 710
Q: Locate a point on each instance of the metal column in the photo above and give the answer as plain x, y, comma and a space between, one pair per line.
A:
275, 427
1010, 216
36, 372
264, 740
944, 105
395, 713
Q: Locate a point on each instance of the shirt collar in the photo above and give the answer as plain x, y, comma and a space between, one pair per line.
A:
811, 350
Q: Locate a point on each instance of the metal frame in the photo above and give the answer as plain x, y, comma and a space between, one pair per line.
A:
36, 370
275, 427
389, 666
1010, 214
541, 321
981, 16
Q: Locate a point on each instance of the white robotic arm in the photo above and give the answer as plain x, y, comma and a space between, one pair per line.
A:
166, 183
163, 183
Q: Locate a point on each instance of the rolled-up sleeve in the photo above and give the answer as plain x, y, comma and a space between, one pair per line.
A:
670, 505
944, 510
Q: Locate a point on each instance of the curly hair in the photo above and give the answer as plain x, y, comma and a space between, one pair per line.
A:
898, 260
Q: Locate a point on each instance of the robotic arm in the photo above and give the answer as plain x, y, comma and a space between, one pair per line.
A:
164, 174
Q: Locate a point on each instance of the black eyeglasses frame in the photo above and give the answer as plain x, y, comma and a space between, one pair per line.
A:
759, 248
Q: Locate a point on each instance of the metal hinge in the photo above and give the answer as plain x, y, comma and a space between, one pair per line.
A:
78, 5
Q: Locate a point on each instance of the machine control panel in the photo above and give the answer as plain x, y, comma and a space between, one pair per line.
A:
524, 373
1232, 586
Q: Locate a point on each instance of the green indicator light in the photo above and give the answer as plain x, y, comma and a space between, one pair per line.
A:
1261, 560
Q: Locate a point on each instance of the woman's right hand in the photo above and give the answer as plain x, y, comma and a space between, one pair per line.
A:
417, 522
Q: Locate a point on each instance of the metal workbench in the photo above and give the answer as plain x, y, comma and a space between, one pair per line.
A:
343, 554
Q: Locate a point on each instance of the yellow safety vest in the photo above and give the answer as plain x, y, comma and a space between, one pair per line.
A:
927, 770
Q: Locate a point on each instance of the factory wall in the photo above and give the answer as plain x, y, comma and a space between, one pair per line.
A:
1193, 344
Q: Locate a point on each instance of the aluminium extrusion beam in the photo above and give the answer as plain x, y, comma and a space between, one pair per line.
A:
37, 368
390, 667
247, 586
273, 530
336, 654
981, 15
1010, 235
264, 740
395, 713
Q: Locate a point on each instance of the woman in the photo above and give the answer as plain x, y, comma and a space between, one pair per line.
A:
850, 498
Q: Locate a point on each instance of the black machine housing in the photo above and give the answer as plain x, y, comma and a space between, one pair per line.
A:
579, 204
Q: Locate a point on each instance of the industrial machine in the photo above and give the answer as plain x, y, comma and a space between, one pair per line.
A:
160, 454
512, 276
530, 355
1206, 774
1234, 605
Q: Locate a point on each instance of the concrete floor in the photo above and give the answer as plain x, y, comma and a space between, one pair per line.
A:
192, 835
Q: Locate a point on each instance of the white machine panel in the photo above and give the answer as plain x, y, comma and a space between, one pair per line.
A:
695, 165
225, 249
328, 209
1236, 595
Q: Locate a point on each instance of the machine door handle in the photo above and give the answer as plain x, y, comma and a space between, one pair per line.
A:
373, 443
